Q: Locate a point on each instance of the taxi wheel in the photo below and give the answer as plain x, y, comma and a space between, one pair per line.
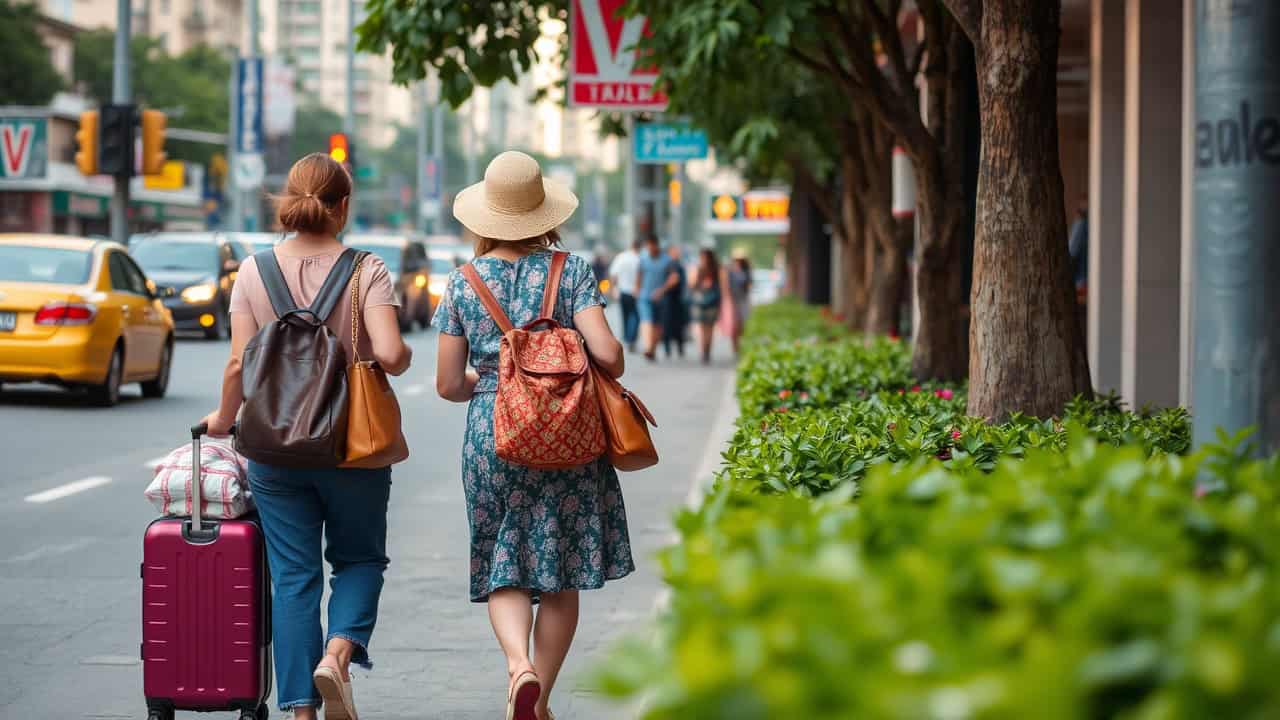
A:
108, 393
156, 388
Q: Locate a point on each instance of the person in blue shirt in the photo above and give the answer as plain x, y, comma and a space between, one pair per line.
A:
657, 275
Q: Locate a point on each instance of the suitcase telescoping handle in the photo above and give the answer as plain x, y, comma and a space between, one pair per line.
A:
197, 480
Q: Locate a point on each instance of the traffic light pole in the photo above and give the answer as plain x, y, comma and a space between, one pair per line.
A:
349, 119
121, 94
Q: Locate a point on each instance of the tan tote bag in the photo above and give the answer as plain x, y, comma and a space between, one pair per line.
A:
375, 438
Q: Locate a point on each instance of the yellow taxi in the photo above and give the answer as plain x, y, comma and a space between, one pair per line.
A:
79, 313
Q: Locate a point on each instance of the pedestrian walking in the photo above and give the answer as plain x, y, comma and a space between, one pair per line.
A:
1078, 249
299, 507
737, 305
705, 298
538, 537
656, 276
675, 306
624, 275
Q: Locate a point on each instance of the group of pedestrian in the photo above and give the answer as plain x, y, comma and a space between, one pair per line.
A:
660, 302
537, 536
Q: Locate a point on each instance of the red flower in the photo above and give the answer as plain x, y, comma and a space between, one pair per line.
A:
804, 396
782, 409
944, 393
915, 388
784, 394
956, 435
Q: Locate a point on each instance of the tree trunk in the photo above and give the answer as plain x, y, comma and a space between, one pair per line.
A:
940, 351
853, 227
888, 282
1027, 351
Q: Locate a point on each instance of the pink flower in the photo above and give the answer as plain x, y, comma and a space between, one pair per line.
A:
784, 394
956, 435
915, 388
944, 393
804, 396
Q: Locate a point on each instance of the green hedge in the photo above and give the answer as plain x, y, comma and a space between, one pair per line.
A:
871, 552
1088, 583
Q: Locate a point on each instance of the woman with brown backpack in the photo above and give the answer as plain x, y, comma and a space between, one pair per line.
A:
302, 314
544, 503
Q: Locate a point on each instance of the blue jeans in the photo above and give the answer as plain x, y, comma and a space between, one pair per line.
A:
297, 506
630, 318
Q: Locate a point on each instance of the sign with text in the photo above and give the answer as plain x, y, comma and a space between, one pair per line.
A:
602, 59
249, 136
657, 143
24, 148
758, 212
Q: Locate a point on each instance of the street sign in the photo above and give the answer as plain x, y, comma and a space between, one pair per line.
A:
249, 171
278, 97
249, 139
24, 148
602, 59
656, 143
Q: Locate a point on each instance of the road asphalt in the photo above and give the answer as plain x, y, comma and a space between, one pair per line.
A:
73, 516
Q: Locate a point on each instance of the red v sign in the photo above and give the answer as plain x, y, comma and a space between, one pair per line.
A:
15, 148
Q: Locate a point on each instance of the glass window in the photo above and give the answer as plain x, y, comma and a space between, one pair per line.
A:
137, 282
162, 256
119, 270
25, 264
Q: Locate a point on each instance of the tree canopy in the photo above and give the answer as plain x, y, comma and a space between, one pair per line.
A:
27, 75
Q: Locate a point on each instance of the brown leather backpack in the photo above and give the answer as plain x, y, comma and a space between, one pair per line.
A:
295, 375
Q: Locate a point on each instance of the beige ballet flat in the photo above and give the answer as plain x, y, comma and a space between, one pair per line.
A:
524, 696
339, 704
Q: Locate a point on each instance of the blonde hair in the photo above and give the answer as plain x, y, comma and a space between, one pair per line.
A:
313, 195
546, 241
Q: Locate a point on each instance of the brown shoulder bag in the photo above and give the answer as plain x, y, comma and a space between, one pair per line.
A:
626, 424
375, 438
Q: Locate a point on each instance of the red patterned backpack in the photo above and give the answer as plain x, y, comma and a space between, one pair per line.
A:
546, 415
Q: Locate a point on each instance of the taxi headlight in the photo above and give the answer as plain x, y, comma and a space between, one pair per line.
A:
201, 293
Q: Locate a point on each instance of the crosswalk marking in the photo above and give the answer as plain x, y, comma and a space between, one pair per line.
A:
71, 488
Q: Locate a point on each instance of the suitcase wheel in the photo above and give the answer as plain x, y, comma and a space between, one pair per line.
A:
160, 715
262, 713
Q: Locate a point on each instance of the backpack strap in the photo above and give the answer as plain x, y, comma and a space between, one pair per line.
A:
487, 299
273, 280
335, 284
551, 293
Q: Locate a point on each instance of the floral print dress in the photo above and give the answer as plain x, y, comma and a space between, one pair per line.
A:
540, 530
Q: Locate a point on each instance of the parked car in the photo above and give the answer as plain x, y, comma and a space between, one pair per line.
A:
194, 273
80, 313
406, 260
256, 241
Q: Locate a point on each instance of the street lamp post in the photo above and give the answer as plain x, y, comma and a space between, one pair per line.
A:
121, 94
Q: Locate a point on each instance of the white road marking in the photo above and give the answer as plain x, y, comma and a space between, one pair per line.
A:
70, 488
51, 550
414, 390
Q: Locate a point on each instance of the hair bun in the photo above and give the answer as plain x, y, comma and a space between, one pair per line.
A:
316, 186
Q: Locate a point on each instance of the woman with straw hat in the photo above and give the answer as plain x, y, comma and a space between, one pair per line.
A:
537, 536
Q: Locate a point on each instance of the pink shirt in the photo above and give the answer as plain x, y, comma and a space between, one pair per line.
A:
305, 276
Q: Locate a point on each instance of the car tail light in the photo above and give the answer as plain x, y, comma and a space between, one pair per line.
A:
61, 313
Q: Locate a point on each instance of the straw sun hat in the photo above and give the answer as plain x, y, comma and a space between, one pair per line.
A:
514, 202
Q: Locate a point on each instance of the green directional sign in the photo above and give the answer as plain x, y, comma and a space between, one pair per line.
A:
367, 172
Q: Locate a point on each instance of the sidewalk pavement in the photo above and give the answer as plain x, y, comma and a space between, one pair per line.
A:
434, 653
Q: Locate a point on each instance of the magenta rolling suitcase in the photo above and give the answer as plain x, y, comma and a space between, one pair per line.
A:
206, 608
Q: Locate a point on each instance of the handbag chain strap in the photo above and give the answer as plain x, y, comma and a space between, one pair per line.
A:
355, 311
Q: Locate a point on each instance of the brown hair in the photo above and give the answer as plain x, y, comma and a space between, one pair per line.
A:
526, 246
313, 195
708, 269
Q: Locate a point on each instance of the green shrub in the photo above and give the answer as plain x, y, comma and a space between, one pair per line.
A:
1085, 583
788, 320
809, 450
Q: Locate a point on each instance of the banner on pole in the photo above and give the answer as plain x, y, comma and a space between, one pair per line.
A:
602, 59
249, 105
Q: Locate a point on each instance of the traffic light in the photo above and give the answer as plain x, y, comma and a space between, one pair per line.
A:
153, 124
116, 140
339, 148
87, 137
